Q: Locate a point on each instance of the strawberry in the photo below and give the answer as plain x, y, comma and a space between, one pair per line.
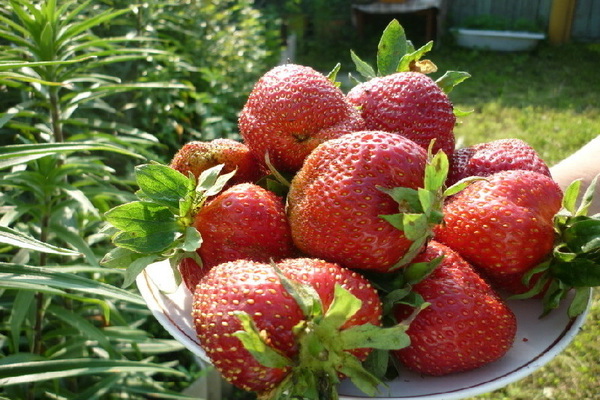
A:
245, 221
291, 110
503, 225
279, 328
408, 103
194, 224
466, 324
195, 157
339, 201
484, 159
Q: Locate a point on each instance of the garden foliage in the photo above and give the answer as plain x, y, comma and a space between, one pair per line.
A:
88, 89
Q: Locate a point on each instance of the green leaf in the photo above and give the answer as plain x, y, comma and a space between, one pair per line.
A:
436, 172
342, 308
416, 272
415, 226
142, 217
376, 337
362, 67
218, 185
577, 273
144, 242
84, 327
580, 302
407, 198
18, 154
12, 237
192, 239
162, 184
587, 198
461, 113
119, 257
21, 307
136, 267
377, 363
451, 79
303, 294
583, 236
36, 371
36, 278
461, 185
332, 75
413, 57
363, 379
570, 195
391, 48
256, 345
428, 200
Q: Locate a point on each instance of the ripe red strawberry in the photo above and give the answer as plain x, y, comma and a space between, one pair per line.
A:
302, 344
503, 225
290, 111
335, 202
408, 103
484, 159
466, 325
245, 221
196, 157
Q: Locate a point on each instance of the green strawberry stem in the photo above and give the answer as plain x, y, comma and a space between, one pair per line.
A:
159, 225
323, 345
575, 261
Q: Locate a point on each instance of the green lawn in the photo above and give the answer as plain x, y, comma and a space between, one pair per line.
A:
551, 99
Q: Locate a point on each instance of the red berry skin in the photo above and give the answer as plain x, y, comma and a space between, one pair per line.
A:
467, 325
484, 159
245, 221
255, 289
335, 207
408, 103
191, 272
502, 225
290, 111
196, 157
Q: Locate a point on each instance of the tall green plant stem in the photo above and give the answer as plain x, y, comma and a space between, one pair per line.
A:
55, 115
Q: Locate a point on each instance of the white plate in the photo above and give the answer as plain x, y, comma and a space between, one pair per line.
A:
537, 342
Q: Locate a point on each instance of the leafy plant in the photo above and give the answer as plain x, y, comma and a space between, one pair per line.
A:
218, 47
67, 330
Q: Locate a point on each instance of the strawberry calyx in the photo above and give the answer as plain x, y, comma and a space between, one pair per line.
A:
324, 346
397, 288
159, 225
575, 261
421, 209
395, 53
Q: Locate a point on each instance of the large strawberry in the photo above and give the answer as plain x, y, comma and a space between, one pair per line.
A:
408, 103
245, 221
195, 157
339, 201
399, 97
484, 159
503, 225
292, 327
290, 111
466, 324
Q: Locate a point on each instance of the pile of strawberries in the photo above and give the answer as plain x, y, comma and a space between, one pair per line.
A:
346, 227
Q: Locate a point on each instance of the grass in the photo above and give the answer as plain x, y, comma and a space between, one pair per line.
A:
549, 98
